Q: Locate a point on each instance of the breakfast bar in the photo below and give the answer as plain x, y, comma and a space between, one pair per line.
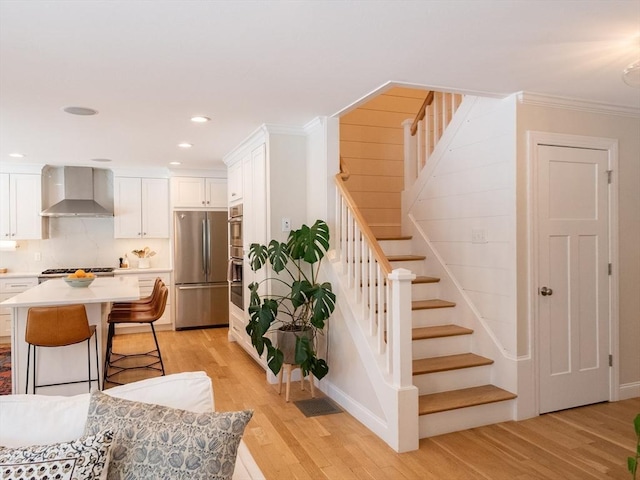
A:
68, 363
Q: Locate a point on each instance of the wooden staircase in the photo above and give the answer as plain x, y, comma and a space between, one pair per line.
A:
450, 378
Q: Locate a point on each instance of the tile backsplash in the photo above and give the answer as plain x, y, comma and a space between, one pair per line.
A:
81, 242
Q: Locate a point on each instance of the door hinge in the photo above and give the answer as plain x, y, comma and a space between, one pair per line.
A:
610, 269
609, 175
611, 360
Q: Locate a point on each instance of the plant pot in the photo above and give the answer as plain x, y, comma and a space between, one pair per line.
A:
287, 342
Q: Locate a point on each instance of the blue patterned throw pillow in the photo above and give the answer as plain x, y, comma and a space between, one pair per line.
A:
153, 441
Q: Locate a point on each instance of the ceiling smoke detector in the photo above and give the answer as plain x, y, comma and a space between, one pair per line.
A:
80, 111
631, 75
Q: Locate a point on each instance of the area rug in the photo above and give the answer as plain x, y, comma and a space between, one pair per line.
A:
315, 407
5, 370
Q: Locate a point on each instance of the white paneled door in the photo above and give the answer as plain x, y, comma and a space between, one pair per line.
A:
573, 290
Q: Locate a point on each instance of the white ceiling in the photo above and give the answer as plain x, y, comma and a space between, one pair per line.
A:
148, 66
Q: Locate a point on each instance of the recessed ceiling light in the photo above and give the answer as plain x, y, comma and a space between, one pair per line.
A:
101, 160
175, 163
80, 111
17, 155
185, 145
200, 119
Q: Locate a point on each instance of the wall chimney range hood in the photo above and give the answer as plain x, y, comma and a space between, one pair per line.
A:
74, 191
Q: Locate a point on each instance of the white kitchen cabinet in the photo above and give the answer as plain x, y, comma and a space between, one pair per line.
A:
198, 192
141, 207
273, 187
234, 183
11, 287
146, 281
20, 206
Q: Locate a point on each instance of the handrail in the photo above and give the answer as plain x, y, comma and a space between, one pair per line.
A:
364, 227
344, 170
422, 112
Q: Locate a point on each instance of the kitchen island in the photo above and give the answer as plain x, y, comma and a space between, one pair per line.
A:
68, 363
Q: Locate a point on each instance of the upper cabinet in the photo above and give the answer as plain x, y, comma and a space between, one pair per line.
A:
20, 205
141, 207
234, 183
198, 192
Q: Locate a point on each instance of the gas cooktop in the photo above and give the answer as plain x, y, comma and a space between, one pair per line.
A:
65, 271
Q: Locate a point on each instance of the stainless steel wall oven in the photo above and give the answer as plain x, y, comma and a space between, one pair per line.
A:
236, 262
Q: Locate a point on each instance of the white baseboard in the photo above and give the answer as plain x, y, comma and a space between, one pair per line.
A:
377, 425
629, 390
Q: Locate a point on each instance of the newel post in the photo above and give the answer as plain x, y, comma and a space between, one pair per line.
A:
399, 334
410, 155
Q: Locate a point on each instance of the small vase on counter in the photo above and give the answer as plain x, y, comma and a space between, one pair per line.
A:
143, 263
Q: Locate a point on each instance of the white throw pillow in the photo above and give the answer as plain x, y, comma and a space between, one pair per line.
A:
45, 419
41, 419
188, 391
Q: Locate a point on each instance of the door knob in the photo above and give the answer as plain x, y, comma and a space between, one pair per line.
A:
545, 291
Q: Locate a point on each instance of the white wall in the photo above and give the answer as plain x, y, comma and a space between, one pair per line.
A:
472, 188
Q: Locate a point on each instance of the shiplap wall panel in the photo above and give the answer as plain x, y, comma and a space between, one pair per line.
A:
459, 229
369, 183
497, 202
378, 151
469, 156
373, 167
372, 150
376, 199
368, 134
474, 180
375, 118
383, 216
473, 188
489, 255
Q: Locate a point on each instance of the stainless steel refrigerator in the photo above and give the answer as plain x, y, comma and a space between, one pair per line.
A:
200, 269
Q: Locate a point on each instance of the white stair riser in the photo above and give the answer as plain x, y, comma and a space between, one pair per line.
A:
430, 317
396, 247
465, 418
415, 266
425, 291
452, 379
437, 347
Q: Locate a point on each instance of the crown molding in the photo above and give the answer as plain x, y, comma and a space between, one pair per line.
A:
527, 98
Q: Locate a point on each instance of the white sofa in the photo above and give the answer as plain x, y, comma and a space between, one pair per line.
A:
41, 419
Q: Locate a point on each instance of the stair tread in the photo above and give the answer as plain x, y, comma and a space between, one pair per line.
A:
393, 237
425, 279
405, 258
448, 362
433, 303
439, 331
466, 397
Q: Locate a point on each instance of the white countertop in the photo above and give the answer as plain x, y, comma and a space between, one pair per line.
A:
19, 275
140, 271
121, 288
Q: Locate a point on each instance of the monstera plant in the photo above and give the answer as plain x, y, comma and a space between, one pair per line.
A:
297, 304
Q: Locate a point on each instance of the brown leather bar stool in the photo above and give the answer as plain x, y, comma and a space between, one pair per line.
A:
58, 327
143, 302
135, 314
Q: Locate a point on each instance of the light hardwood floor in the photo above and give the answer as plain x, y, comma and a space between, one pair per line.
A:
586, 443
